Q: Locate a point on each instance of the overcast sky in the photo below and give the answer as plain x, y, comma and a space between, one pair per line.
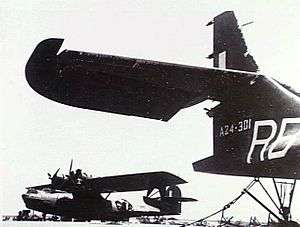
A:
39, 136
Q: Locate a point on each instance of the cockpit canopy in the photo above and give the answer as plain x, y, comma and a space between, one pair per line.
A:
32, 191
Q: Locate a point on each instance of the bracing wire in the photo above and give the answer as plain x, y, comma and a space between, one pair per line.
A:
228, 205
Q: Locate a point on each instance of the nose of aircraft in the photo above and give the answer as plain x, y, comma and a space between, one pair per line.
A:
26, 199
24, 196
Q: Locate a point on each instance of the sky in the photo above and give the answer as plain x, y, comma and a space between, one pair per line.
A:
39, 136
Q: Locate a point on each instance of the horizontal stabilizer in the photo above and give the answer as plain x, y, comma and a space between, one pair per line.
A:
178, 199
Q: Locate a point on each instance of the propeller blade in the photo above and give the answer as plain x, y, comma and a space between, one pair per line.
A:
71, 165
55, 174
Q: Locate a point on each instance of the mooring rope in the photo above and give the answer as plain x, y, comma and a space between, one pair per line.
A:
228, 205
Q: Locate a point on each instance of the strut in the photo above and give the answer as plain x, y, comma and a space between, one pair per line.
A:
284, 192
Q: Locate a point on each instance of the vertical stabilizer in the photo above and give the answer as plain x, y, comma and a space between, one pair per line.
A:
230, 50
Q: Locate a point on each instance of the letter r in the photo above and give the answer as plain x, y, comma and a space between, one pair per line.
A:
265, 142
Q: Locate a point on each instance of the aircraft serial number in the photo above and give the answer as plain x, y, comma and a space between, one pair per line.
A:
240, 126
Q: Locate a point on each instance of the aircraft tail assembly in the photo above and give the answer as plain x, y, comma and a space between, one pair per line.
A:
230, 50
249, 129
169, 201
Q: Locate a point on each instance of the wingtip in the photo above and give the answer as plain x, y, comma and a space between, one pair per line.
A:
46, 48
51, 41
39, 68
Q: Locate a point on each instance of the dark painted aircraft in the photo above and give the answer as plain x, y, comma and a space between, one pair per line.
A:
84, 198
256, 125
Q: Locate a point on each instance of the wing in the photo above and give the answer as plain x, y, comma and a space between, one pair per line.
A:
134, 182
121, 183
40, 187
127, 86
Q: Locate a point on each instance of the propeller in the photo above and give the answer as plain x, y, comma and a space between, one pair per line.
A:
54, 175
71, 165
57, 181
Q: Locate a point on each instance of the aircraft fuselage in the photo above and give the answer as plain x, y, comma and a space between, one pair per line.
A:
65, 204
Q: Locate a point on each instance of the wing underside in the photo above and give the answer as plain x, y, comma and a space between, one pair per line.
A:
124, 85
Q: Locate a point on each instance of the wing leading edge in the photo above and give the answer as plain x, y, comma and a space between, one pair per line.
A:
121, 183
128, 86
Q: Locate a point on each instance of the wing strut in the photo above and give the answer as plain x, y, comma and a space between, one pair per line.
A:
284, 192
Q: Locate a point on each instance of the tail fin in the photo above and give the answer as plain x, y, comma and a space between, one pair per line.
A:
170, 203
256, 127
230, 50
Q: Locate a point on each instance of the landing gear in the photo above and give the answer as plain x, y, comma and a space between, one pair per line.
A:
285, 192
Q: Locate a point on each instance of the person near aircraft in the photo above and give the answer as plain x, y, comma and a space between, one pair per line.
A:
78, 173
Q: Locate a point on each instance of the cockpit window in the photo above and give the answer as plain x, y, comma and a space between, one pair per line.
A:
47, 190
32, 191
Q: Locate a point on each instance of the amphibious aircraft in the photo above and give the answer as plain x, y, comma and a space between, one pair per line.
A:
85, 198
256, 125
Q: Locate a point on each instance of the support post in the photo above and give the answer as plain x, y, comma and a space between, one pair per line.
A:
264, 206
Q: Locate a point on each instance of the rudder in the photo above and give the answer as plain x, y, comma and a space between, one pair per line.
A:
230, 50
